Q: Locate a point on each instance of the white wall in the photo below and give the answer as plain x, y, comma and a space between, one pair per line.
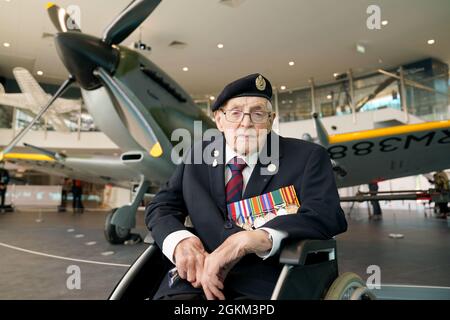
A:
33, 196
114, 197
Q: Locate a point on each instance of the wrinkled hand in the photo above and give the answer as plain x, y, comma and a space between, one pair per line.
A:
189, 259
224, 258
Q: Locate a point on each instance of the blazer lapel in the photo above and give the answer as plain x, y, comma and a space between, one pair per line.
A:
216, 173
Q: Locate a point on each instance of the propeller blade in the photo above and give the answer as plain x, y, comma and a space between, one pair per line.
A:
17, 138
61, 19
128, 20
137, 123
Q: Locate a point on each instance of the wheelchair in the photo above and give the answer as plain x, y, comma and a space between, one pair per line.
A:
310, 272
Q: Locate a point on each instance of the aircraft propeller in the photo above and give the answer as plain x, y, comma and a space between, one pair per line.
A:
91, 61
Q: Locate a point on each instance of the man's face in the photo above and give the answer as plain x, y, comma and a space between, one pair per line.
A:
245, 136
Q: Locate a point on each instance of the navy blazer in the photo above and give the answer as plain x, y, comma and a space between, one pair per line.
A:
198, 190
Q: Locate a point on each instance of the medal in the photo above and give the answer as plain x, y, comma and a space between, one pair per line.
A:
270, 216
259, 222
291, 208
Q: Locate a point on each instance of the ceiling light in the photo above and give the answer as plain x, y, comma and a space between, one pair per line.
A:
360, 48
6, 44
283, 87
220, 46
185, 69
40, 73
212, 98
384, 22
431, 41
335, 74
291, 63
329, 97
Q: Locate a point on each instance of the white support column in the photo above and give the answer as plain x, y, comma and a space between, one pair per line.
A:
313, 95
403, 95
45, 127
277, 112
352, 94
79, 125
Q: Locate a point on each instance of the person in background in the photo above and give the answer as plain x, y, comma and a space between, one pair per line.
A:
66, 188
77, 192
4, 180
441, 182
377, 214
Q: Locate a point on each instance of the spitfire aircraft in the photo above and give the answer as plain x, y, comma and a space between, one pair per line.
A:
138, 106
135, 103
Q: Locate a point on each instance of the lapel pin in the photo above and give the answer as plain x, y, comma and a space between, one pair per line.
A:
272, 167
214, 164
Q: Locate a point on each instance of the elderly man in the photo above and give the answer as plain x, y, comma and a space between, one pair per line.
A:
221, 257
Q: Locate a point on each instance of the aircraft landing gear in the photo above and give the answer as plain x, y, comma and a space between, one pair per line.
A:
115, 234
121, 220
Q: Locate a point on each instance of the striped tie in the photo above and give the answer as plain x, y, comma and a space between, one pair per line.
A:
235, 184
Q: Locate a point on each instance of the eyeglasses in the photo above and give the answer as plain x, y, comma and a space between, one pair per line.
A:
255, 116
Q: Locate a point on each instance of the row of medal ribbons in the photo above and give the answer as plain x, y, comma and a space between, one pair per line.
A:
256, 211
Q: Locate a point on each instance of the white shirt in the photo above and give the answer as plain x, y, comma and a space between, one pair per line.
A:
172, 240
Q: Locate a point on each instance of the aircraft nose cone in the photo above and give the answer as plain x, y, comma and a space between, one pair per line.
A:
82, 54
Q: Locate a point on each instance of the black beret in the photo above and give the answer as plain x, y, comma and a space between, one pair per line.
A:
253, 85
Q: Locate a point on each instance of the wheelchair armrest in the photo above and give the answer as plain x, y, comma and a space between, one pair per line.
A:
295, 252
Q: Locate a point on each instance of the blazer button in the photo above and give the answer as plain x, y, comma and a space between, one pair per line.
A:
228, 225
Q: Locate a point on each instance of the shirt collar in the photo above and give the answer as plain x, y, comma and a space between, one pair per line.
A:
250, 160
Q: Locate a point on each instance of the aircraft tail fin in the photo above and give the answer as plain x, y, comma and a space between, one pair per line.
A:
322, 133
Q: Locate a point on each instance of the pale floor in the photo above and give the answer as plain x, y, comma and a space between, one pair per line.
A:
27, 238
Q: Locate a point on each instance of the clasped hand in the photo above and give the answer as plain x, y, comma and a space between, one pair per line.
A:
209, 270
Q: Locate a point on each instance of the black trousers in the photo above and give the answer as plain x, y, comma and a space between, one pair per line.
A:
229, 295
2, 197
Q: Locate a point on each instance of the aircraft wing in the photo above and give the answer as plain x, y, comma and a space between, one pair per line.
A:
100, 170
67, 105
388, 153
37, 97
18, 100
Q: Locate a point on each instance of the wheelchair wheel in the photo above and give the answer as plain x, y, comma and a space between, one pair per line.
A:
349, 286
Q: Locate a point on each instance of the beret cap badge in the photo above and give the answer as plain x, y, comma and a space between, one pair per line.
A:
260, 83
